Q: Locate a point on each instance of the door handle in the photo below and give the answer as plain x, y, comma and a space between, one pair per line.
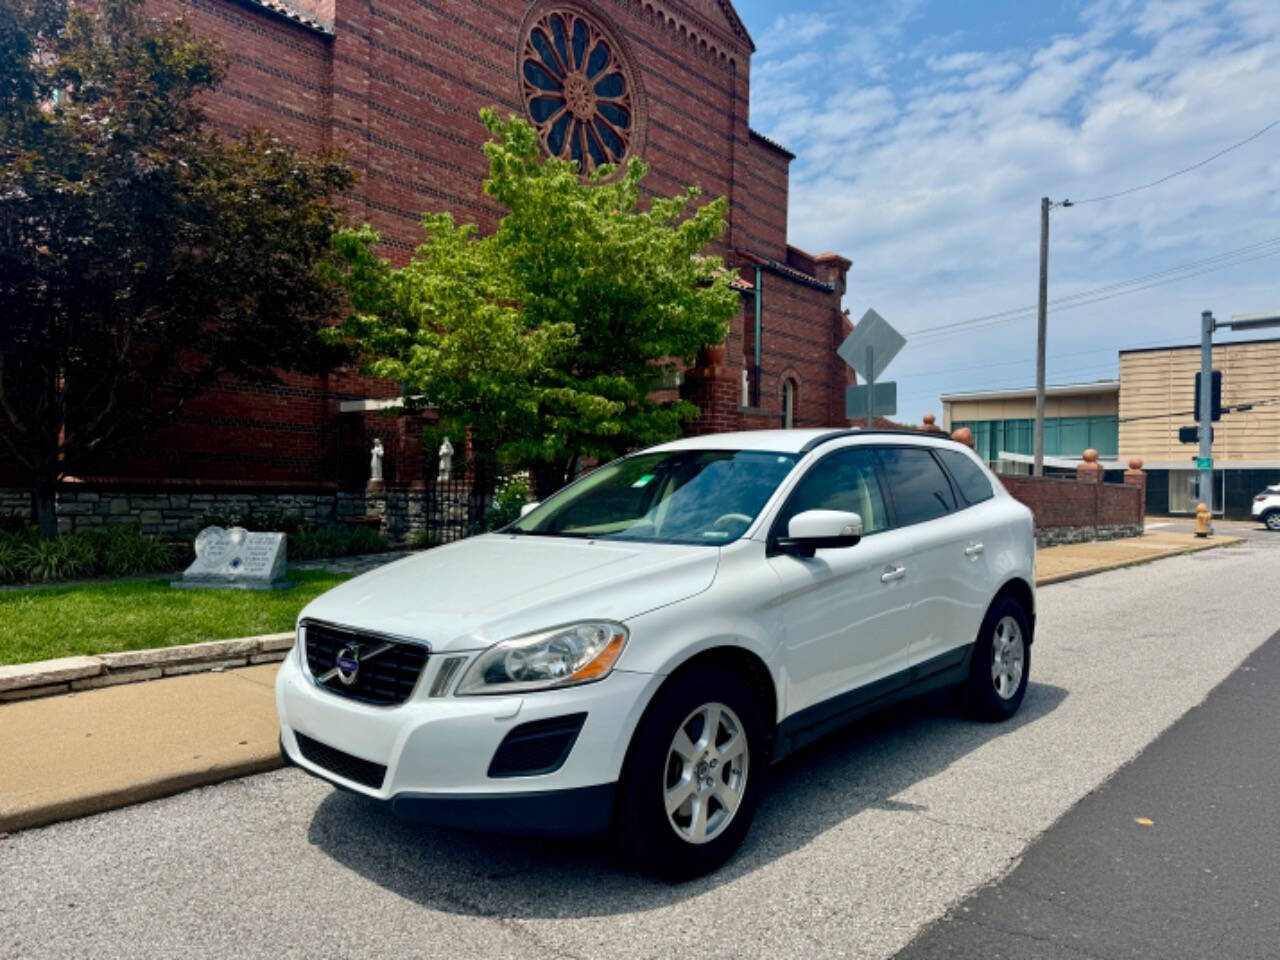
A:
892, 573
973, 550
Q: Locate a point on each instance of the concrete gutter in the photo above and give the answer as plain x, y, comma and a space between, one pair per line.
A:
45, 678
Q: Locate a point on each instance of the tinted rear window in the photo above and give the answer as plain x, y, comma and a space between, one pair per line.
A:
919, 488
969, 477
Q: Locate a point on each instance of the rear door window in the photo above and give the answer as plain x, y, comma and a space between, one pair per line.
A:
919, 489
969, 477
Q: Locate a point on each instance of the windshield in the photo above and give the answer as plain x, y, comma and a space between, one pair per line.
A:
685, 496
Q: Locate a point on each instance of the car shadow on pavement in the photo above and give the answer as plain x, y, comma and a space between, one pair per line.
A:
814, 790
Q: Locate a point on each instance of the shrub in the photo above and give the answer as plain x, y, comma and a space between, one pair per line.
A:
11, 559
58, 559
367, 540
507, 501
128, 551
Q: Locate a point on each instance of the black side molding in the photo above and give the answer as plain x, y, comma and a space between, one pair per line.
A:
812, 723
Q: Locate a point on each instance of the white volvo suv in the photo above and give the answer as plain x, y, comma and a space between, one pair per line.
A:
635, 651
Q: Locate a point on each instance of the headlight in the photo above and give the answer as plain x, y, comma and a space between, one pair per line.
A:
561, 657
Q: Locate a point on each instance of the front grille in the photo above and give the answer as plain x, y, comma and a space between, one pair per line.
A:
343, 764
386, 671
540, 746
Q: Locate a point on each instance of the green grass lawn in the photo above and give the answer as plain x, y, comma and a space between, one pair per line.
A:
59, 621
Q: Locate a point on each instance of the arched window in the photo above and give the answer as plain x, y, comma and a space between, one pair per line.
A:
788, 403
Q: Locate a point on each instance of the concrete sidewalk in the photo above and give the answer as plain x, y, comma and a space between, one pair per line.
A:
1054, 564
80, 753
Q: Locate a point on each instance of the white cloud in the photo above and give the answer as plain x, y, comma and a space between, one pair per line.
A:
923, 158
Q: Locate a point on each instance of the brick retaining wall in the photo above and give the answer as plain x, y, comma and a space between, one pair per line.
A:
1072, 511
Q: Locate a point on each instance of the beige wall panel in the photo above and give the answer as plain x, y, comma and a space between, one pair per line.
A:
1163, 381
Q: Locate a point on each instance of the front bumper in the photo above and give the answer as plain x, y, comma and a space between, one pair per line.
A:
437, 751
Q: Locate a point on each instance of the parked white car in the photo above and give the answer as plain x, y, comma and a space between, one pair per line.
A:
1266, 507
636, 650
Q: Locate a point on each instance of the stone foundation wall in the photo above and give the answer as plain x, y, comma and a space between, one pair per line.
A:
1056, 536
181, 515
168, 514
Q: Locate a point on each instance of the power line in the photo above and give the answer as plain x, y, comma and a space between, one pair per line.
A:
1234, 408
1191, 264
1134, 285
1178, 173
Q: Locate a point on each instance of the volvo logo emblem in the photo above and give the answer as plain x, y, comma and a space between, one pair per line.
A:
347, 663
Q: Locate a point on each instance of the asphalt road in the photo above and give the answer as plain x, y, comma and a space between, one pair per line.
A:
1176, 857
860, 843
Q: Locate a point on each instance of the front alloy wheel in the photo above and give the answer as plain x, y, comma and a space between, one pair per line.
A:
694, 772
706, 773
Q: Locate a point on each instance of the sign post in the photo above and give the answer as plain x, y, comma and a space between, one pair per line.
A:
868, 350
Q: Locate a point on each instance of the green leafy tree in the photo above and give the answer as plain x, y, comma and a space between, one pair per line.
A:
549, 336
141, 256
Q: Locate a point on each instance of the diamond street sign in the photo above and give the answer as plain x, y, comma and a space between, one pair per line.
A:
875, 332
886, 400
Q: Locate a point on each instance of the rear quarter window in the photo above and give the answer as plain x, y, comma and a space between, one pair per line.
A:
917, 485
969, 477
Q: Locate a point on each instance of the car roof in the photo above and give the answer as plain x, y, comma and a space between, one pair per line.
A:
786, 441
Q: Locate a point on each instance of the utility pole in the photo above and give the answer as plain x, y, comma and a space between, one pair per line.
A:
1204, 463
1037, 468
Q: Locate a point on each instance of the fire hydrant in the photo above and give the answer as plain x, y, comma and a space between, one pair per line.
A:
1202, 521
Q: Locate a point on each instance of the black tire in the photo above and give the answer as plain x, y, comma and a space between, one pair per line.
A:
980, 691
643, 827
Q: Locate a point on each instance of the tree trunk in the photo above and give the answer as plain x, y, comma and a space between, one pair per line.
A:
548, 478
44, 509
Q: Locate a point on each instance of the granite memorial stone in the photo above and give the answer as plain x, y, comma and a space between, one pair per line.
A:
236, 559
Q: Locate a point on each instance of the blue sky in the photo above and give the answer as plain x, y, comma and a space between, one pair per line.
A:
926, 133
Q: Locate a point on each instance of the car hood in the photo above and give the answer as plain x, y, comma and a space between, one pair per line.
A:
473, 593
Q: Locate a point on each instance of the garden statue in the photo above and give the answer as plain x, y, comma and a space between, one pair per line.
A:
446, 460
375, 461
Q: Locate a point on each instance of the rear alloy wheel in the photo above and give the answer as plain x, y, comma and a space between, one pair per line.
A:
1001, 662
694, 773
1272, 520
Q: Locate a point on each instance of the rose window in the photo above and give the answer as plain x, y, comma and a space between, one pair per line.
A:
578, 90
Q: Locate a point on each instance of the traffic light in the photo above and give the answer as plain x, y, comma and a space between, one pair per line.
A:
1215, 390
1192, 434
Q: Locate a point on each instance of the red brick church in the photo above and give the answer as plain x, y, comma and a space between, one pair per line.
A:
398, 86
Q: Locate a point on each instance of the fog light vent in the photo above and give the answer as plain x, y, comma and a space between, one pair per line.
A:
537, 747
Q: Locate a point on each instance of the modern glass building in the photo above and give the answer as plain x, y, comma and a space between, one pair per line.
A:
1077, 416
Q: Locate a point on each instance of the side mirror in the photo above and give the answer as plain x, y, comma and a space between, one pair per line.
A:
820, 530
529, 508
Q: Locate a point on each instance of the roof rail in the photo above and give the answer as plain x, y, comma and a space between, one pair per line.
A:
860, 432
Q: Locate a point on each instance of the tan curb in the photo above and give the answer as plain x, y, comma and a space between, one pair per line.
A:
1136, 561
142, 792
44, 678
